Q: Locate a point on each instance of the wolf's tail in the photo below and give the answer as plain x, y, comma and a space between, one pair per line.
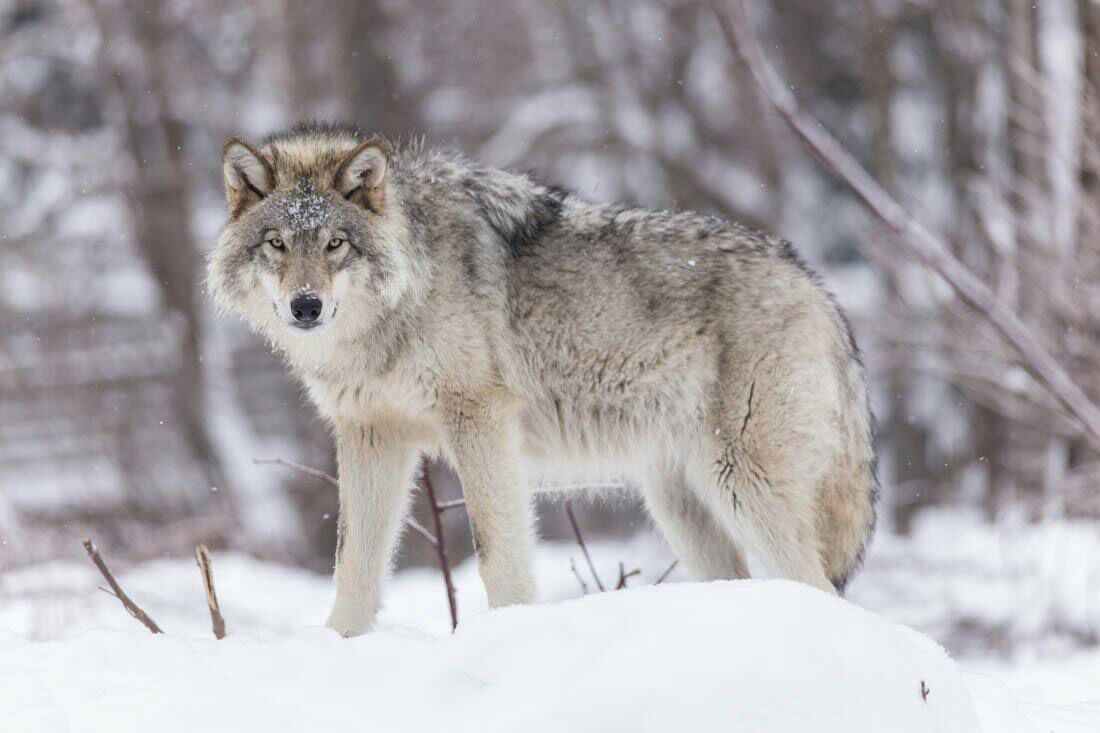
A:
849, 492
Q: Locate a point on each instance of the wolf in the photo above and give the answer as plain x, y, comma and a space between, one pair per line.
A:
432, 305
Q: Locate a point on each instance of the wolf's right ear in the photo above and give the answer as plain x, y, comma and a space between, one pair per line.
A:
248, 175
361, 171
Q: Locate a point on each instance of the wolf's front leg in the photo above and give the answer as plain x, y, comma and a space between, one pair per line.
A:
377, 465
483, 439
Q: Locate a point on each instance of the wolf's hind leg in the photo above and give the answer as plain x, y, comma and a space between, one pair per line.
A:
705, 547
773, 512
483, 444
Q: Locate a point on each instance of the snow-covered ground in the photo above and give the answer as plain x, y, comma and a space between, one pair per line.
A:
755, 655
759, 655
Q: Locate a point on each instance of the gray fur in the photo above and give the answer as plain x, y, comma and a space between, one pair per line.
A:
518, 330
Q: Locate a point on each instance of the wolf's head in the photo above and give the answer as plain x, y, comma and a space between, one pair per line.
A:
315, 232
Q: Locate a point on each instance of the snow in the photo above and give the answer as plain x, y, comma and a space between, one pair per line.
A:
304, 209
758, 655
1032, 586
747, 655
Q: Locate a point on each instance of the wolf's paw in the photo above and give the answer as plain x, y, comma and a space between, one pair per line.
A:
348, 622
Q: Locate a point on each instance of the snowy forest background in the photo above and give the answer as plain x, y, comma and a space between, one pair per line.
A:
132, 414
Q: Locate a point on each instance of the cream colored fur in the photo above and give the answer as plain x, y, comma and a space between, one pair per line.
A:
517, 331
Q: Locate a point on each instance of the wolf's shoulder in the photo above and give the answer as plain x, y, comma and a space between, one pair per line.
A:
524, 210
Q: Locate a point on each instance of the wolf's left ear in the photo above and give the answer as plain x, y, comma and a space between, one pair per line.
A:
362, 170
248, 174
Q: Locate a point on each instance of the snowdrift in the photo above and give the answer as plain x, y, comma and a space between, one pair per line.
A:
736, 656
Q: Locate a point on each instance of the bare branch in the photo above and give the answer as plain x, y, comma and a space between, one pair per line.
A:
206, 570
920, 241
421, 530
668, 572
577, 575
440, 544
132, 608
328, 477
580, 541
624, 576
314, 472
451, 504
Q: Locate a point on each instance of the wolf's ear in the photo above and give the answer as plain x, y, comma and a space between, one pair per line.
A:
248, 174
362, 171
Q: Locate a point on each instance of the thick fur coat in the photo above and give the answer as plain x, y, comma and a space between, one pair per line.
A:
432, 305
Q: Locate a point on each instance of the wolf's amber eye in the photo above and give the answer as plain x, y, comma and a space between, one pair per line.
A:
336, 243
274, 243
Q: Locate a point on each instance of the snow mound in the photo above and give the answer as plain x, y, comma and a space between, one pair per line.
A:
746, 655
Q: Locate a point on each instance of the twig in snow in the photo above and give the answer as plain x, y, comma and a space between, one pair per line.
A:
580, 541
668, 572
624, 576
924, 691
440, 544
921, 242
577, 575
206, 570
116, 590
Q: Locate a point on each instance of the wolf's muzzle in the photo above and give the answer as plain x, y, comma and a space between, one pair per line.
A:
306, 309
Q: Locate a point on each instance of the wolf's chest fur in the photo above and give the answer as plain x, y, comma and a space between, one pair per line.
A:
345, 387
595, 408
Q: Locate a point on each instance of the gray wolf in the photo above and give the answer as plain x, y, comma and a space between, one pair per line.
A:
431, 305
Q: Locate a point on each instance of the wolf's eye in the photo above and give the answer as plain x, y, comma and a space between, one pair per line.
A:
274, 243
336, 243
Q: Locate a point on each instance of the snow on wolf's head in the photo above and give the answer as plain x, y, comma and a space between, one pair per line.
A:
316, 240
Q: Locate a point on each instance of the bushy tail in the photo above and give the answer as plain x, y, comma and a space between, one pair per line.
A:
849, 493
849, 516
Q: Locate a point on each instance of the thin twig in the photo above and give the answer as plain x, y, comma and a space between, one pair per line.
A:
624, 576
314, 472
577, 575
132, 608
668, 572
206, 570
451, 504
324, 476
580, 541
440, 544
920, 241
421, 530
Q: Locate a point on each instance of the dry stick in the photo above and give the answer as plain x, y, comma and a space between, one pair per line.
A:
577, 575
132, 608
451, 504
580, 541
314, 472
624, 576
919, 240
206, 570
324, 476
666, 573
440, 544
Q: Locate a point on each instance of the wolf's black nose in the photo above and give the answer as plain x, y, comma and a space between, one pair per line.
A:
306, 308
